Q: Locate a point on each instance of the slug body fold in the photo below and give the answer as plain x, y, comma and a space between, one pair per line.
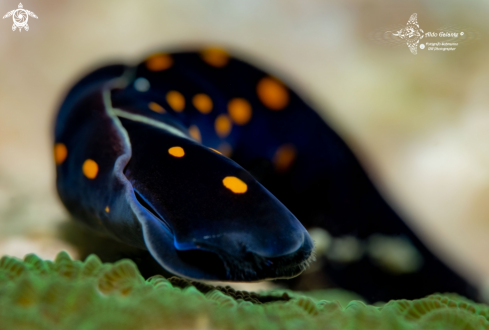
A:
175, 204
173, 155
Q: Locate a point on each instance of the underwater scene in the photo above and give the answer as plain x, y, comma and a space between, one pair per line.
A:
211, 164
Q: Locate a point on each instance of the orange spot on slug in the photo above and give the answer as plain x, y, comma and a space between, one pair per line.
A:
175, 100
156, 107
239, 110
195, 133
215, 57
203, 103
159, 62
235, 185
90, 169
284, 158
272, 93
60, 153
176, 152
222, 125
216, 151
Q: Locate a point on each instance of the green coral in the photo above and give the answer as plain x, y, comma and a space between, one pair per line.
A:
89, 295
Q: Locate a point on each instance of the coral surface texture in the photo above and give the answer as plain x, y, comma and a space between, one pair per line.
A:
70, 294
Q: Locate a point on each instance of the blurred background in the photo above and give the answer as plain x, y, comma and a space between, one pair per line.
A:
419, 123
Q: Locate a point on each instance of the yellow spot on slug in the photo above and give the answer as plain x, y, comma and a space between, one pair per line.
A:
159, 62
203, 103
284, 157
156, 107
90, 169
216, 151
222, 125
225, 149
272, 93
107, 209
175, 100
235, 185
240, 111
215, 56
195, 133
176, 152
60, 153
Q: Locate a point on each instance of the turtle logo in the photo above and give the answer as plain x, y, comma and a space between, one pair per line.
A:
20, 16
411, 33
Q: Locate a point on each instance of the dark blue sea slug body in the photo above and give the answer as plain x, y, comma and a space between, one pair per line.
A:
173, 156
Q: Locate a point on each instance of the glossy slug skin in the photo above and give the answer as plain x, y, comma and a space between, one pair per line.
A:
139, 176
199, 156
